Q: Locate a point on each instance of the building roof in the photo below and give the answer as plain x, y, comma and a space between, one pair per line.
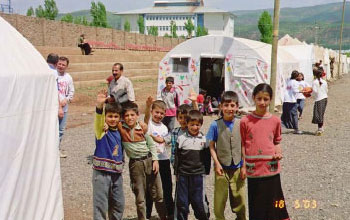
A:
173, 10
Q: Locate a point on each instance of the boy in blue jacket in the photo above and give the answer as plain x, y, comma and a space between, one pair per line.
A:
108, 162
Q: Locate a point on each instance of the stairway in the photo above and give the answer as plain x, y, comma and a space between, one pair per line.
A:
90, 72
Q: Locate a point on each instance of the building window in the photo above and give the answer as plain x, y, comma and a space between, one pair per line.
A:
167, 28
180, 65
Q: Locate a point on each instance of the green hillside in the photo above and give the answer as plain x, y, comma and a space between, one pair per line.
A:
112, 20
321, 23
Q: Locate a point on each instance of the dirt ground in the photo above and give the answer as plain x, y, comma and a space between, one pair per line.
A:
315, 169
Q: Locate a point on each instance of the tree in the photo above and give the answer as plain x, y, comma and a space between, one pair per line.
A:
189, 27
153, 30
173, 29
201, 31
167, 35
30, 11
49, 11
98, 14
127, 26
67, 18
81, 20
141, 24
39, 12
265, 27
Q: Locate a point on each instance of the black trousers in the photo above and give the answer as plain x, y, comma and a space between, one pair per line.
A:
167, 185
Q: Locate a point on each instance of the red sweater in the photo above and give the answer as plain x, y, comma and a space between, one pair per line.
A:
259, 136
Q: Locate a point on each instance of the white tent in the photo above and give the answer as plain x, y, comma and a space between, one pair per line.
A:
30, 181
305, 55
287, 40
246, 63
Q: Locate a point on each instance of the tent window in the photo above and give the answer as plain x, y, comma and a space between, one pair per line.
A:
180, 65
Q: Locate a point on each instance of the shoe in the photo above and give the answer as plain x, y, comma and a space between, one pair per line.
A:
298, 132
62, 155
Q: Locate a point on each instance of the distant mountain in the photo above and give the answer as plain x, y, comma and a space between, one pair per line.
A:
321, 23
112, 19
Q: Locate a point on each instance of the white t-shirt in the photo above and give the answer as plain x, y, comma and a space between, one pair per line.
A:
301, 86
291, 91
65, 88
319, 92
159, 129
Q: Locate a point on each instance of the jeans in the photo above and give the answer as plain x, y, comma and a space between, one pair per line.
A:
108, 195
190, 190
301, 103
62, 125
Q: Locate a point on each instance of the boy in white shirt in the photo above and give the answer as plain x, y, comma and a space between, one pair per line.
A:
157, 130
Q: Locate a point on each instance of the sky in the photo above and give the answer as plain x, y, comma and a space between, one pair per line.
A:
64, 6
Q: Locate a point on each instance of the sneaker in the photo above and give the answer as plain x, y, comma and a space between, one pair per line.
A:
62, 155
318, 133
298, 132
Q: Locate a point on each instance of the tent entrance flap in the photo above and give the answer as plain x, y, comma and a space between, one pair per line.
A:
212, 76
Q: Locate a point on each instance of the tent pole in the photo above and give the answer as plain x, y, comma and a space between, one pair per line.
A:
276, 15
341, 38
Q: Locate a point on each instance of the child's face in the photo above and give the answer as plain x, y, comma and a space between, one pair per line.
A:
130, 118
181, 118
112, 119
157, 114
169, 85
193, 127
300, 77
229, 109
262, 101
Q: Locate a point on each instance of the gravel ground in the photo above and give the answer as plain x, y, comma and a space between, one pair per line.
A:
315, 173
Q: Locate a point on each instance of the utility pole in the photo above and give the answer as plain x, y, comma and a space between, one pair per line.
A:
316, 33
276, 22
341, 38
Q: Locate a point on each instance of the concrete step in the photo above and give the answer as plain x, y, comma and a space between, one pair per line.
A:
103, 74
76, 67
121, 58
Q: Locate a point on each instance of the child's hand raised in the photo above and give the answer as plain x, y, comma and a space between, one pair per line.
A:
101, 98
149, 101
278, 153
155, 166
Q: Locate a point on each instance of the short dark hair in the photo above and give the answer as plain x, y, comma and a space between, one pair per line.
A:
294, 74
127, 106
52, 58
121, 67
64, 59
229, 96
263, 87
169, 79
113, 107
194, 115
159, 104
183, 109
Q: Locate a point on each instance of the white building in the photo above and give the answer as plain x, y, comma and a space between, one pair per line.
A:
218, 22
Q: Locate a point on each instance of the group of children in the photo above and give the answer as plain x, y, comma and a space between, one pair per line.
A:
294, 99
249, 147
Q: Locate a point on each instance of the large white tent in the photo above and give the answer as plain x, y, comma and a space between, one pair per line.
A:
246, 64
30, 181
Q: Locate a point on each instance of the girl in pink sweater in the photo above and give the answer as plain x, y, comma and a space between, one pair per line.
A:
261, 137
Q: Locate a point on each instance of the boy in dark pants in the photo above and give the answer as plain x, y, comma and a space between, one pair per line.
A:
157, 130
108, 162
192, 162
171, 99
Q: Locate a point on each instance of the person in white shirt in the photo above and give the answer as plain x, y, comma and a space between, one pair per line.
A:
300, 96
157, 130
65, 92
289, 116
320, 90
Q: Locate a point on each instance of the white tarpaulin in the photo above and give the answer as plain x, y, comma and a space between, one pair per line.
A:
246, 64
305, 55
30, 181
